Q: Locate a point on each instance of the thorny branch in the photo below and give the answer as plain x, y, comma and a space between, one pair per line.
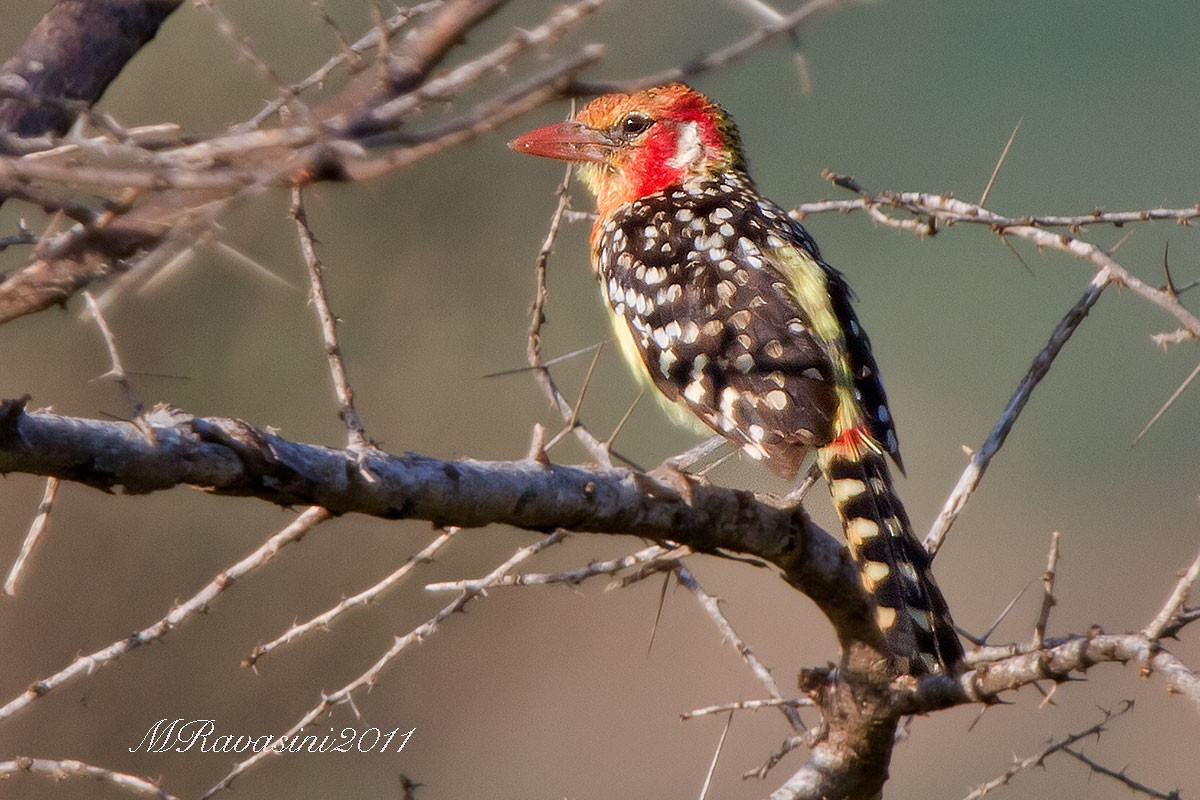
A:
56, 770
162, 190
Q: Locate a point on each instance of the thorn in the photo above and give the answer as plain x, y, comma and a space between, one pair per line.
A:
545, 364
625, 418
662, 602
537, 445
1017, 254
1120, 242
1170, 287
1170, 401
1000, 162
587, 381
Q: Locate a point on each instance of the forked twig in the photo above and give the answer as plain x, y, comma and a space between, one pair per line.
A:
1040, 756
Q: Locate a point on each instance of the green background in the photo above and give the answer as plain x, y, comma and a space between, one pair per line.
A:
550, 692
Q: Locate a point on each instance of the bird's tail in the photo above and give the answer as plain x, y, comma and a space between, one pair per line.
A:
892, 564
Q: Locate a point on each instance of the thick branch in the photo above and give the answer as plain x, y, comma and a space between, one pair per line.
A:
231, 457
70, 58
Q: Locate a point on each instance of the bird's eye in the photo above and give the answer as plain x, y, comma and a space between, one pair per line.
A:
635, 123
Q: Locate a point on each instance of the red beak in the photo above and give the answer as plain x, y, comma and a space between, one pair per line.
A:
565, 141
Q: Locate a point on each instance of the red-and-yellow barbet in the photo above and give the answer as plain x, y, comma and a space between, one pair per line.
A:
724, 303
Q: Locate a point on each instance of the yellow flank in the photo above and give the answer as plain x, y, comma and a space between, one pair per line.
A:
809, 287
676, 410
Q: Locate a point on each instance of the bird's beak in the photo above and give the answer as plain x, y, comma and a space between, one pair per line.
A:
566, 141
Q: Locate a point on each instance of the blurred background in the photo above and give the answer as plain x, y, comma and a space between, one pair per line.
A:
551, 692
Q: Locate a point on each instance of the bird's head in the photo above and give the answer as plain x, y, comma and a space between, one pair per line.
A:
628, 146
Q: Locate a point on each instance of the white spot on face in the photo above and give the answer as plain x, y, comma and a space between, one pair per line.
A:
684, 214
773, 348
756, 432
673, 330
741, 319
744, 362
655, 276
854, 329
691, 332
722, 213
625, 260
795, 326
883, 414
688, 148
660, 338
727, 265
890, 441
712, 328
726, 229
776, 399
812, 372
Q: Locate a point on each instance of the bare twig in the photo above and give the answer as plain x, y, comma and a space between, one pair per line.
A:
713, 608
57, 770
598, 449
717, 58
747, 705
41, 522
180, 613
973, 474
372, 675
117, 372
1175, 603
355, 432
571, 578
1040, 756
367, 596
1048, 601
1121, 777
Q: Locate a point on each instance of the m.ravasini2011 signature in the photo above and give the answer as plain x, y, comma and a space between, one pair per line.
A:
199, 735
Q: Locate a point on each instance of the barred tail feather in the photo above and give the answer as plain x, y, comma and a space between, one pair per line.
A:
892, 564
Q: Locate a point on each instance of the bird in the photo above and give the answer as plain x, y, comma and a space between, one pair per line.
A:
723, 302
